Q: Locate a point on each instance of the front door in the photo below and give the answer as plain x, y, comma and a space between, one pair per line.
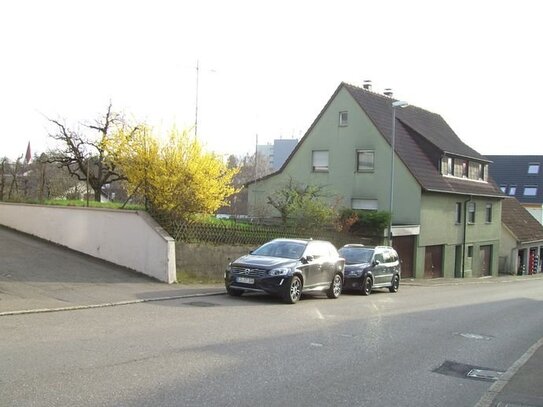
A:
433, 262
485, 256
313, 271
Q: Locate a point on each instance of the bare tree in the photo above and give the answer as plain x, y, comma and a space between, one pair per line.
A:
86, 157
3, 165
251, 166
305, 204
15, 170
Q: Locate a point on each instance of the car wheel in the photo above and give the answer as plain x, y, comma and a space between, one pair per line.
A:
335, 288
293, 290
234, 292
366, 285
395, 284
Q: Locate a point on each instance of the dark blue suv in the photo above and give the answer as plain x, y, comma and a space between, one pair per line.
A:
287, 268
369, 267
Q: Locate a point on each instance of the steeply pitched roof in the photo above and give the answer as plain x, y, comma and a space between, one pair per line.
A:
421, 139
419, 134
513, 170
524, 227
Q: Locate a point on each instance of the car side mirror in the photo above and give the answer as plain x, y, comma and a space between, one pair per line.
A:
376, 262
307, 259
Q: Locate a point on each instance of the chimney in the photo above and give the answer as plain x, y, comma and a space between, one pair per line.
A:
388, 92
367, 84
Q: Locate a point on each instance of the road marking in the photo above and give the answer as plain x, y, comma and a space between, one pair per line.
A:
476, 336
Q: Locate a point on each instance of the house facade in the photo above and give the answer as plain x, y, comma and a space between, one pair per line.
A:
521, 247
521, 177
446, 212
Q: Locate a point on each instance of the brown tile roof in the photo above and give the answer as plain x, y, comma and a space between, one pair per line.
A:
421, 139
524, 227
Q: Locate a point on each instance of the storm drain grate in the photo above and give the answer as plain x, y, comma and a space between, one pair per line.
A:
484, 374
201, 304
464, 371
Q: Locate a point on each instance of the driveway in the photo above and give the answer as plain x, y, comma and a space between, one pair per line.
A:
38, 275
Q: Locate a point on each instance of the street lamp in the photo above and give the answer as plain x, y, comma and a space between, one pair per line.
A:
396, 104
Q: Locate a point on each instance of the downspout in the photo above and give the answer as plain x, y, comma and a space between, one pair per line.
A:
464, 237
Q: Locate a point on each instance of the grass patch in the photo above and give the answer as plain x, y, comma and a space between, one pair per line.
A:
184, 277
83, 203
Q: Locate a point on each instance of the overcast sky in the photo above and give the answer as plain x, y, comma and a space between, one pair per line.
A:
268, 68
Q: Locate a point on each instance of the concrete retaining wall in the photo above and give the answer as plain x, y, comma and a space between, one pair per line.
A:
207, 260
128, 238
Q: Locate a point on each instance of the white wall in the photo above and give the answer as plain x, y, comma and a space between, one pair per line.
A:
128, 238
536, 212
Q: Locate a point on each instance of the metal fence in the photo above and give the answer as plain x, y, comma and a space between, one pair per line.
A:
253, 234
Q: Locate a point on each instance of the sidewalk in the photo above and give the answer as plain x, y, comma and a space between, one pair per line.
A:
18, 297
521, 385
472, 280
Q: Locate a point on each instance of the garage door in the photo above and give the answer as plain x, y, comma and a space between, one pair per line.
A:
433, 262
405, 246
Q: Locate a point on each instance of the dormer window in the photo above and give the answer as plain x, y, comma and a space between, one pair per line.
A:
533, 168
463, 168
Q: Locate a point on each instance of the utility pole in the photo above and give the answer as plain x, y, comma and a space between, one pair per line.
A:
196, 116
196, 104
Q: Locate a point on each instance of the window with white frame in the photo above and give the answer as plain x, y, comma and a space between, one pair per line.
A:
503, 187
458, 213
471, 212
320, 161
530, 190
475, 170
488, 213
460, 168
464, 168
512, 189
368, 204
365, 160
450, 166
343, 119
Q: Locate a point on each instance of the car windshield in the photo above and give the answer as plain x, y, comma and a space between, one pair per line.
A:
356, 255
281, 248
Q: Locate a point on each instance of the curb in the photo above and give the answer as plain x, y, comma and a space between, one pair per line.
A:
109, 304
468, 281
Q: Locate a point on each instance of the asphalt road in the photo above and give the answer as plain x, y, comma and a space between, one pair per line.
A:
404, 349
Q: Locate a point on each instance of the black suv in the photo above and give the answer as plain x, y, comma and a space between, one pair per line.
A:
368, 267
287, 267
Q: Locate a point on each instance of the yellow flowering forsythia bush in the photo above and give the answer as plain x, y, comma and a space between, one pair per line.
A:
175, 176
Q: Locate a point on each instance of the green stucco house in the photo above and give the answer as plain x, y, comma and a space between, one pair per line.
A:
446, 211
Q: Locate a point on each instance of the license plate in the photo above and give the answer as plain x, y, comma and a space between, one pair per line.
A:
245, 280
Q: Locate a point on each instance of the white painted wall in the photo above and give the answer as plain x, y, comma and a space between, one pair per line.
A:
128, 238
536, 212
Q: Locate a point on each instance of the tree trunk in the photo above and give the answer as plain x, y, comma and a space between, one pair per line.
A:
97, 194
